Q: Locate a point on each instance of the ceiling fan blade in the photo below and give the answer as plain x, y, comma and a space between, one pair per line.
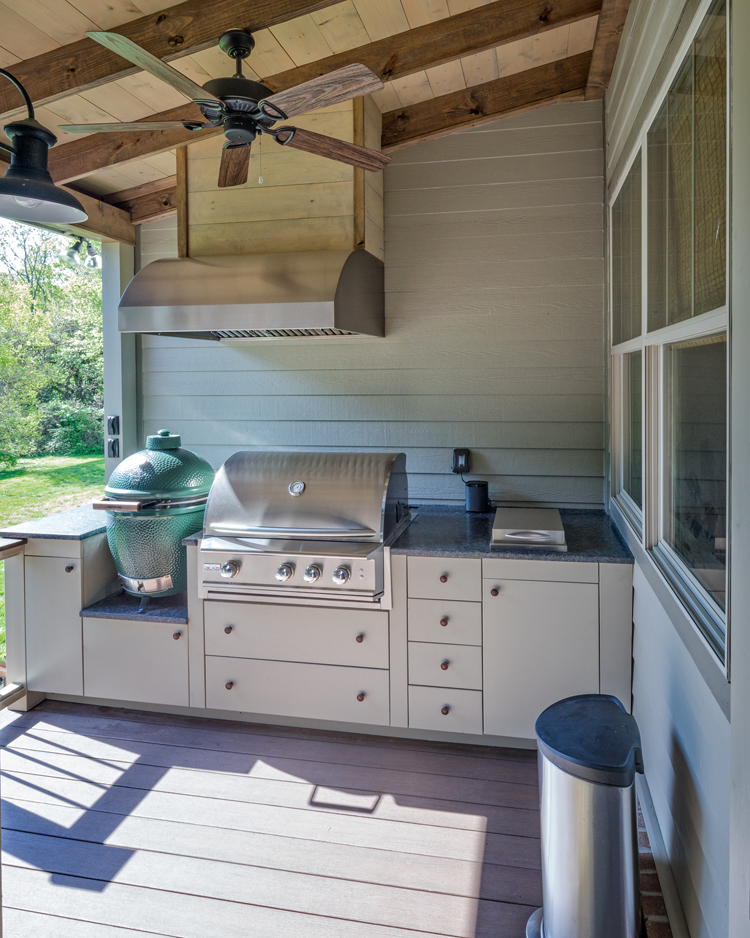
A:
139, 125
341, 85
334, 149
155, 66
234, 166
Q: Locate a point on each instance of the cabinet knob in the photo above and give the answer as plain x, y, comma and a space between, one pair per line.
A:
360, 638
176, 635
444, 665
360, 697
494, 591
229, 685
444, 620
444, 578
445, 711
70, 568
227, 629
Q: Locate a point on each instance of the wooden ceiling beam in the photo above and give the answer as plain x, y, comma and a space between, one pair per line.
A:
606, 43
446, 40
108, 222
179, 30
147, 202
564, 80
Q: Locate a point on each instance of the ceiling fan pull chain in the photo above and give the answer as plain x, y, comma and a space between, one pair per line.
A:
260, 160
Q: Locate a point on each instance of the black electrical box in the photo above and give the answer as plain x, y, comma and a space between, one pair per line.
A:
461, 460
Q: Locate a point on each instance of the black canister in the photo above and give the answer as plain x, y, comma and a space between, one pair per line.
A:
477, 496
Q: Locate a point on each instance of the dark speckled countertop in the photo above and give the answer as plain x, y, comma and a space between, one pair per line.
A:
124, 606
439, 531
73, 525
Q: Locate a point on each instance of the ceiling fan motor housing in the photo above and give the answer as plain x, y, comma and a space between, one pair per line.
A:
237, 43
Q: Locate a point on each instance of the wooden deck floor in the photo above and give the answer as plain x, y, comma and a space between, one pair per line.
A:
119, 823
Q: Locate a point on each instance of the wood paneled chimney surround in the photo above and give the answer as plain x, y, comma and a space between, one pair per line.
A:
305, 202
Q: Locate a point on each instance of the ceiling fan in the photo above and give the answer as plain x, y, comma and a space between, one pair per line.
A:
244, 108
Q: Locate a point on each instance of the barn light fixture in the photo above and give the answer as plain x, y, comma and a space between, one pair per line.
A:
27, 192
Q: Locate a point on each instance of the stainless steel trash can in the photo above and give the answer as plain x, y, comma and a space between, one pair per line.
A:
589, 752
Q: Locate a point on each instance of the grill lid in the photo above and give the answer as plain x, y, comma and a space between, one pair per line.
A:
308, 496
163, 470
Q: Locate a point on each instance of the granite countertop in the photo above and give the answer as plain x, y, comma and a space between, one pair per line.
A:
451, 531
124, 606
73, 525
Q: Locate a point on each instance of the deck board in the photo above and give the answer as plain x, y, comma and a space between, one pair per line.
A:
119, 823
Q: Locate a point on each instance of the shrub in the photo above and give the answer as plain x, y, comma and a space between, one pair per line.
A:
71, 428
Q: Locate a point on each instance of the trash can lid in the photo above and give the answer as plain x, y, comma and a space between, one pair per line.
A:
591, 736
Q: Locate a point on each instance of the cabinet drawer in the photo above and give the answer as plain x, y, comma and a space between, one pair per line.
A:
445, 665
284, 688
426, 705
463, 578
297, 633
128, 660
463, 621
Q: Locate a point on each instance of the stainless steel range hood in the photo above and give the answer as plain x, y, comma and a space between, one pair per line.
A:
259, 296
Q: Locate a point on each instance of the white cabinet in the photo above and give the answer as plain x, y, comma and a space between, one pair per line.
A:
541, 643
126, 659
284, 688
54, 662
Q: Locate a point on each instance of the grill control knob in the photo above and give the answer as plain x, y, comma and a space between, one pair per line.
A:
341, 575
229, 569
285, 572
312, 574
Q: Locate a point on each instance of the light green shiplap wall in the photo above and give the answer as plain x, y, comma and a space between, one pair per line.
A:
494, 305
679, 692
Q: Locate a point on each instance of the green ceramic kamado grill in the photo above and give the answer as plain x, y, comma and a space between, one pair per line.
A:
153, 500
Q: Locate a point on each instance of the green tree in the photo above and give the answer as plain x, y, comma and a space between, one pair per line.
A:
51, 381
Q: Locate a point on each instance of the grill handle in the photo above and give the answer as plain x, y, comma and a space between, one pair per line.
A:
299, 533
116, 504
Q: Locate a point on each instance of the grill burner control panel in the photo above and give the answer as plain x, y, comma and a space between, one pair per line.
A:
358, 577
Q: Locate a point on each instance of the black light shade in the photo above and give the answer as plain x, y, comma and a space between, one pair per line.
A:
27, 192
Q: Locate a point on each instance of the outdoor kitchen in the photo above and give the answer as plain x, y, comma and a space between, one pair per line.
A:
406, 604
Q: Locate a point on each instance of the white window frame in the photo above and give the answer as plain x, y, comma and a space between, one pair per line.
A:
649, 523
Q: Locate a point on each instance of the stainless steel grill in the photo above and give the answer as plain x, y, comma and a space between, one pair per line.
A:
312, 527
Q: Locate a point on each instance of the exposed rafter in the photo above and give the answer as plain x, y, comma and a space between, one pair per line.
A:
564, 80
446, 40
147, 202
606, 43
177, 31
105, 221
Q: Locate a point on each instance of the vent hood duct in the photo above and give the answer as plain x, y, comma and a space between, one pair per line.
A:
259, 296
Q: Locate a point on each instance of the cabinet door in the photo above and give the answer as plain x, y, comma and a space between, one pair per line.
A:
285, 688
126, 659
355, 637
541, 643
53, 625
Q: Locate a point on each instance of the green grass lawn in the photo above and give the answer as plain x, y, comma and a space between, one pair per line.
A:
42, 486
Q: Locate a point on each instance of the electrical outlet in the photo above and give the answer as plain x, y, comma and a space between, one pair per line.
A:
461, 460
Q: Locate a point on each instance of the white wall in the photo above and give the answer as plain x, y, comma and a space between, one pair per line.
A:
680, 693
494, 281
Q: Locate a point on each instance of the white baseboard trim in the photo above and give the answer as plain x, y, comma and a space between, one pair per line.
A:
661, 861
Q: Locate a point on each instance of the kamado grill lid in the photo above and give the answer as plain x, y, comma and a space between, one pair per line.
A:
163, 470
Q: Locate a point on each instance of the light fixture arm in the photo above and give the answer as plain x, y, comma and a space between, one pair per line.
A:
22, 90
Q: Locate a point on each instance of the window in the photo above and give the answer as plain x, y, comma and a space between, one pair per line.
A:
669, 331
626, 258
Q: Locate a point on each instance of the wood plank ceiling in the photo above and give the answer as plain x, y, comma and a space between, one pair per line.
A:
447, 64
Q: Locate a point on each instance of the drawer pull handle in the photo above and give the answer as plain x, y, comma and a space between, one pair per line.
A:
360, 638
445, 711
229, 685
360, 697
444, 578
444, 620
444, 665
70, 568
176, 635
494, 591
227, 629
